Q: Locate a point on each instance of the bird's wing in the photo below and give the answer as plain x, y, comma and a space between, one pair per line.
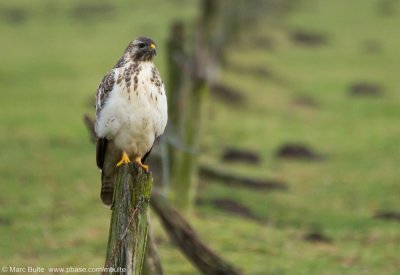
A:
103, 91
161, 100
101, 148
102, 94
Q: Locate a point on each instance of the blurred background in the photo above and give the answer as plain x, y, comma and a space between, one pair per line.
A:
294, 171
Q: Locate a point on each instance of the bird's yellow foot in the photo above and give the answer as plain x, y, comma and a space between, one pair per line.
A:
138, 161
124, 160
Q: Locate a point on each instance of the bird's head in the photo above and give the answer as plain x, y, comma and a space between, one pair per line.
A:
141, 49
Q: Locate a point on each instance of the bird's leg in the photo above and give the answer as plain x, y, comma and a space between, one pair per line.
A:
138, 161
124, 160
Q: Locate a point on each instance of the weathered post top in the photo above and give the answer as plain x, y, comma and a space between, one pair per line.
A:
129, 226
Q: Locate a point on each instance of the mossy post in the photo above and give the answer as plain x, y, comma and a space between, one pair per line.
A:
176, 58
185, 171
127, 239
198, 75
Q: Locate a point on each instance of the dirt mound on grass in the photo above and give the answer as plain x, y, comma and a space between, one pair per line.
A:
308, 38
239, 155
297, 151
388, 215
227, 94
317, 237
365, 89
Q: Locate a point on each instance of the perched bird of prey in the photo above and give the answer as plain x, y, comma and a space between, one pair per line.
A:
131, 112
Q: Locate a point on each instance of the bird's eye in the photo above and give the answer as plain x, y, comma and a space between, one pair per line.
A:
141, 45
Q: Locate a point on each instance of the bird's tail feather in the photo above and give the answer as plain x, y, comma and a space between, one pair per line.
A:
109, 172
107, 189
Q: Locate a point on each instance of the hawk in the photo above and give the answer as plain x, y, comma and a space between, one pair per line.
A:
131, 112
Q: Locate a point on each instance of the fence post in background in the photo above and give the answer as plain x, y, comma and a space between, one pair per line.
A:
184, 171
199, 72
176, 58
129, 226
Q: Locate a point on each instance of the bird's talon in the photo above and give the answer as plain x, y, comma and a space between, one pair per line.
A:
145, 167
124, 160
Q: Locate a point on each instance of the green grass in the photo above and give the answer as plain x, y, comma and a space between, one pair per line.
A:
50, 213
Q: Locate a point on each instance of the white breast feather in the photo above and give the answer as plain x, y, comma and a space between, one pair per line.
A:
134, 118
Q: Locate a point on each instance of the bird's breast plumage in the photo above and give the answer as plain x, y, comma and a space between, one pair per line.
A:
135, 112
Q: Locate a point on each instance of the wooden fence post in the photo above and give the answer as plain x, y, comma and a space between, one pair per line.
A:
176, 58
199, 73
129, 226
180, 231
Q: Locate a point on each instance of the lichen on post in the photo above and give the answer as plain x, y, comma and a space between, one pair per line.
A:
129, 225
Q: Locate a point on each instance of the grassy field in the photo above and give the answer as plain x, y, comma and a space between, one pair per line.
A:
53, 56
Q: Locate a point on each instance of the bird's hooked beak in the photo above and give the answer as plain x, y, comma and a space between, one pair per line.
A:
153, 48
